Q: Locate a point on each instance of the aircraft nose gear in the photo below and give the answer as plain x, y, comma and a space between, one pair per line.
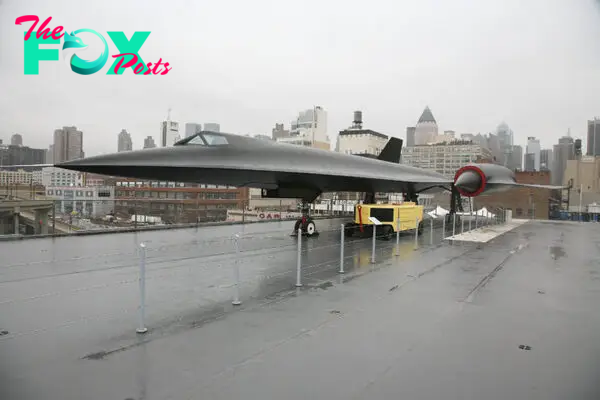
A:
309, 228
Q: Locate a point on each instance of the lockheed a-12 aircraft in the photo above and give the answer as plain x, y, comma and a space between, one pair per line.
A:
291, 171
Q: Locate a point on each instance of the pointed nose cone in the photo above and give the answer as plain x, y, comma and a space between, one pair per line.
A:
469, 182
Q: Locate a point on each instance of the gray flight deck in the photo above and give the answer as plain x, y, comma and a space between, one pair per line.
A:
514, 318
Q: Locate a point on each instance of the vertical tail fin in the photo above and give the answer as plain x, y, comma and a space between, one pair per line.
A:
392, 151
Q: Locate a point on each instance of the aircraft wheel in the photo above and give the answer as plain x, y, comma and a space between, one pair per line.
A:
387, 232
310, 228
297, 226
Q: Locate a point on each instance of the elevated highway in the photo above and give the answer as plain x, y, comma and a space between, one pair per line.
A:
30, 202
32, 213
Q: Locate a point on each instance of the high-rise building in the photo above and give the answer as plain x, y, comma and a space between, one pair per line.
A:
68, 144
410, 136
309, 129
50, 155
16, 140
149, 143
21, 155
533, 147
563, 152
529, 162
169, 133
445, 159
191, 128
212, 127
496, 147
52, 176
577, 148
514, 160
125, 143
505, 141
426, 129
505, 135
546, 160
583, 174
593, 137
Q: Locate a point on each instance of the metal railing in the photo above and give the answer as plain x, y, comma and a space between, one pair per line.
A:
251, 256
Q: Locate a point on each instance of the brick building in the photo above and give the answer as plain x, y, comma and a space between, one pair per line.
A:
522, 201
177, 202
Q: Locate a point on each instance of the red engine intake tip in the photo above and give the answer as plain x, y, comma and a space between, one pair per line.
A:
470, 181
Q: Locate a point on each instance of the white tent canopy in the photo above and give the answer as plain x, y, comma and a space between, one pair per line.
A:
483, 212
438, 212
441, 212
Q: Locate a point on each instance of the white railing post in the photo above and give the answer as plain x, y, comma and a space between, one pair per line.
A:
299, 260
444, 229
398, 238
431, 231
236, 294
142, 312
341, 271
373, 246
454, 224
416, 233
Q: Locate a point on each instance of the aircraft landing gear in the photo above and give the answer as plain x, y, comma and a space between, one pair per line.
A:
309, 228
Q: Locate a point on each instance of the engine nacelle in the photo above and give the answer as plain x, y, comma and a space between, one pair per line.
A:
475, 179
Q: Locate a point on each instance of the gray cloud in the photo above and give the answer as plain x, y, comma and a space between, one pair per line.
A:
248, 65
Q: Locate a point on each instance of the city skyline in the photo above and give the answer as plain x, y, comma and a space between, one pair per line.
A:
471, 73
139, 138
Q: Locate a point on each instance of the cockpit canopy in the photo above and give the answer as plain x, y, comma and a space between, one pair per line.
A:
204, 139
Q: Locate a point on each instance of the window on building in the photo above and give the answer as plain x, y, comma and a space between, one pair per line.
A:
103, 193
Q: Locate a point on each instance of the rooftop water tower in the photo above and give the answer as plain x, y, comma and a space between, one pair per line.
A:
357, 122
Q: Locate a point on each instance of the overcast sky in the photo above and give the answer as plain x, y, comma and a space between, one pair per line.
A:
250, 64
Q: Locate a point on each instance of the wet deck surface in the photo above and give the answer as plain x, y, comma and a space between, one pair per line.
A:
512, 318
